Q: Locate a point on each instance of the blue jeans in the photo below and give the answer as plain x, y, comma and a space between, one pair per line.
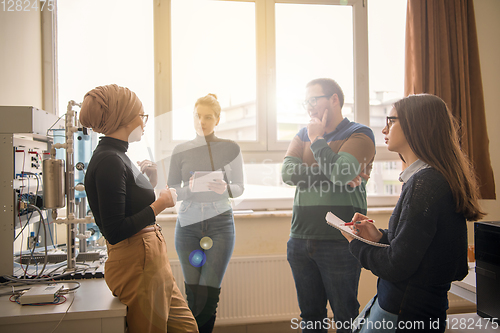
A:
219, 226
374, 319
324, 270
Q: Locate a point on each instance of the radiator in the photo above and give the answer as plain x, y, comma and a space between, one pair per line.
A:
254, 289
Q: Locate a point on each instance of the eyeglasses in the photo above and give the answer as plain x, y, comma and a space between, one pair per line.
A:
389, 121
144, 118
313, 101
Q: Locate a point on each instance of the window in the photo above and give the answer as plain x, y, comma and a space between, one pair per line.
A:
104, 42
295, 41
213, 51
259, 66
308, 47
386, 36
256, 56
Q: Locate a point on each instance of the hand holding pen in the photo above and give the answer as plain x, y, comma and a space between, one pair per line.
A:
365, 227
357, 222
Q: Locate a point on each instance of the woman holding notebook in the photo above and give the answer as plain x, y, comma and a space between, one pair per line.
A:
427, 234
206, 172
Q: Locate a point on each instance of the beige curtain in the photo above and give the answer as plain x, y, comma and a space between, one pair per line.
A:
442, 58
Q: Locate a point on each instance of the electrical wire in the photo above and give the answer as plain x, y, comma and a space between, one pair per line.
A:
20, 222
38, 181
65, 313
63, 265
42, 221
50, 280
50, 232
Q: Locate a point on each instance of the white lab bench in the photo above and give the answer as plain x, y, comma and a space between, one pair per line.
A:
467, 287
91, 308
469, 322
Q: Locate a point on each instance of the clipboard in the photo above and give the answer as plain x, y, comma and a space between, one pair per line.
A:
203, 178
337, 223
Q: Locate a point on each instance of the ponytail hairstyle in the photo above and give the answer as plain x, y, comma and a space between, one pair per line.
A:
211, 101
431, 132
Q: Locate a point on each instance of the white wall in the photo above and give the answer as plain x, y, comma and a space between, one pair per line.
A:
20, 59
488, 30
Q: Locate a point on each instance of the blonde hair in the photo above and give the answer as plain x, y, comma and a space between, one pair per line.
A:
107, 108
211, 101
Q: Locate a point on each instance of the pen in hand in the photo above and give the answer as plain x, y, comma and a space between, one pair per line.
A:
352, 223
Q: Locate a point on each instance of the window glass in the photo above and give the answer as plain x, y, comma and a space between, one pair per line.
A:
105, 42
312, 41
302, 35
384, 178
264, 188
386, 35
213, 51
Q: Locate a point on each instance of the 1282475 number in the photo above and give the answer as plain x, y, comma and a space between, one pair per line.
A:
27, 5
471, 323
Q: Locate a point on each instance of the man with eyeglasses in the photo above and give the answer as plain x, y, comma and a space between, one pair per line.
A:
329, 162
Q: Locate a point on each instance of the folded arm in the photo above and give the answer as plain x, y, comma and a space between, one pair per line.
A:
354, 159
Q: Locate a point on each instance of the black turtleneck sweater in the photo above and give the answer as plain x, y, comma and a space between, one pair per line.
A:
194, 155
118, 193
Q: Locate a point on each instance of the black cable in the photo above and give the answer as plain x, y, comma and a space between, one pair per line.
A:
45, 238
27, 222
36, 193
22, 282
34, 281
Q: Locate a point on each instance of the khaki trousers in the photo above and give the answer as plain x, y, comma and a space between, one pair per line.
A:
138, 273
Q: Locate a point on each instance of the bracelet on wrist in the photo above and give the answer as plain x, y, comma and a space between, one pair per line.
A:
154, 209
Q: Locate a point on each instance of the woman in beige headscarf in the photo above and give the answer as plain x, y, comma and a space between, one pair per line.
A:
123, 203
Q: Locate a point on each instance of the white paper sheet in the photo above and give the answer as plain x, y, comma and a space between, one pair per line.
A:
203, 178
337, 223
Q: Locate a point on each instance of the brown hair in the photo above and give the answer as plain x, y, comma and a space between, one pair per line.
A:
431, 132
329, 87
211, 101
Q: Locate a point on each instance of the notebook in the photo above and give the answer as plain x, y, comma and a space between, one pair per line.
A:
202, 179
337, 223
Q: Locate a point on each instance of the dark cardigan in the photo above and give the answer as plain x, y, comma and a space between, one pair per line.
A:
428, 250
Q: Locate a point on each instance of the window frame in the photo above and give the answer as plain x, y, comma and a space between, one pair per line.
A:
266, 149
267, 146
